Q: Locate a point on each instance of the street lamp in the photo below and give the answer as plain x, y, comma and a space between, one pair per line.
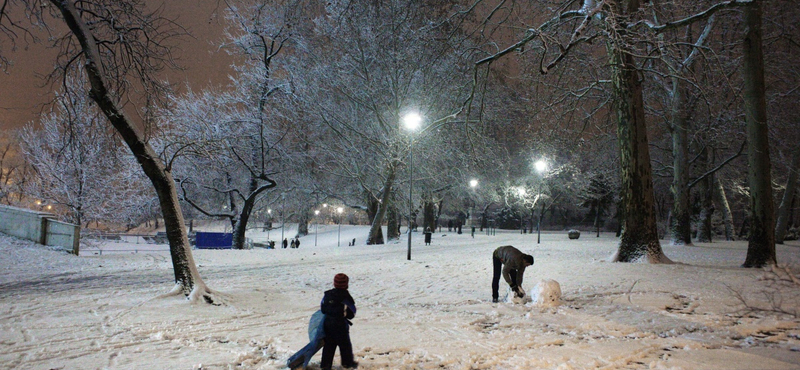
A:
411, 121
283, 215
339, 211
269, 212
472, 184
316, 226
541, 167
521, 192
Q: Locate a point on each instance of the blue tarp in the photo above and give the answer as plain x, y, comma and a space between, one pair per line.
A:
207, 240
316, 336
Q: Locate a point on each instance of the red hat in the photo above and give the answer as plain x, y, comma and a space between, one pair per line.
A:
340, 281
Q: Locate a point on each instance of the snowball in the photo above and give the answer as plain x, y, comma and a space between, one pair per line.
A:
511, 297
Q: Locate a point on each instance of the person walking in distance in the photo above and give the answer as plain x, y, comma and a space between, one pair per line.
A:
338, 307
511, 263
428, 236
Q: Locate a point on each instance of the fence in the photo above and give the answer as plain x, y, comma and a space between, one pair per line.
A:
40, 227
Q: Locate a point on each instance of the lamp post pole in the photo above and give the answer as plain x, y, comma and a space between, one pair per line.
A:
410, 192
411, 121
283, 215
316, 226
269, 213
541, 168
339, 242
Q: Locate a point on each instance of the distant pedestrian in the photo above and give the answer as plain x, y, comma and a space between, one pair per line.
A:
354, 242
285, 243
296, 242
292, 244
449, 225
338, 307
428, 236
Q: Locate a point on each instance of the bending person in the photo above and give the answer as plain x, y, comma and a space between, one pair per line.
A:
513, 264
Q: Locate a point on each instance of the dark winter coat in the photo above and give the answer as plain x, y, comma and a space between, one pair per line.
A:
334, 302
512, 259
337, 320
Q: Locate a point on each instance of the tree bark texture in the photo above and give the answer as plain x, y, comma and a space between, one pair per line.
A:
722, 204
681, 221
187, 278
393, 220
785, 208
428, 213
375, 230
761, 241
705, 201
639, 238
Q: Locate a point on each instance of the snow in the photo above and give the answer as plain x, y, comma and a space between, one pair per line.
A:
103, 311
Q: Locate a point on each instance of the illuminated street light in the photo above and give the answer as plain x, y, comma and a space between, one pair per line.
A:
540, 165
472, 184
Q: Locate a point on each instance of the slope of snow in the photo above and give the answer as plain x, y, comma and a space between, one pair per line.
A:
98, 311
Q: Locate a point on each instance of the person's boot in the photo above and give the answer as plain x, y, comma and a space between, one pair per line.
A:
354, 365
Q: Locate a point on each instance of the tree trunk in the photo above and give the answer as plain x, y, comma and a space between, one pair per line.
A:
680, 227
784, 210
302, 221
375, 231
392, 220
761, 242
597, 216
639, 239
187, 278
705, 201
428, 213
724, 207
238, 231
484, 220
372, 211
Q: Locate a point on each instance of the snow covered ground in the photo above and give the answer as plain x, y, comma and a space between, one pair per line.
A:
59, 311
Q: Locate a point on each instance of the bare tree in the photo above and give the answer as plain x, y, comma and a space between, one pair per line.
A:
625, 29
234, 139
381, 61
119, 43
15, 175
75, 158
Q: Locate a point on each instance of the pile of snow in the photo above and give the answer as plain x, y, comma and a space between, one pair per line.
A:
547, 293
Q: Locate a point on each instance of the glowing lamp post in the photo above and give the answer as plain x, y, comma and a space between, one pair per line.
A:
411, 121
472, 185
269, 212
316, 226
541, 167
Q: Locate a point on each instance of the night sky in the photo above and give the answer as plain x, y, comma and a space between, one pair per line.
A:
24, 95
